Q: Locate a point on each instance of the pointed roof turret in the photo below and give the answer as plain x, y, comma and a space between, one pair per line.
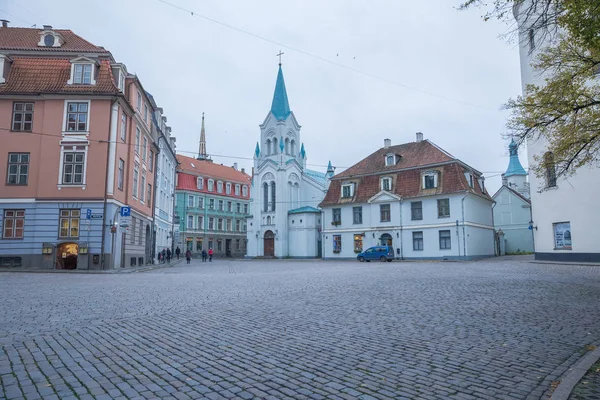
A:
302, 152
514, 166
202, 149
280, 106
330, 169
257, 151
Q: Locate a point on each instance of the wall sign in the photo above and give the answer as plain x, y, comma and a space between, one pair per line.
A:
562, 236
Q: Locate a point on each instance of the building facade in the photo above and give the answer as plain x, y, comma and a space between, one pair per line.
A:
564, 209
212, 205
415, 197
285, 194
79, 147
512, 211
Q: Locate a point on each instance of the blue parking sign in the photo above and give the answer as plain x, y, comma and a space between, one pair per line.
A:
125, 211
88, 213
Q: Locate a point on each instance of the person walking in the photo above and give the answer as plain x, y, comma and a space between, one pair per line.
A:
168, 255
177, 251
210, 254
188, 256
204, 255
164, 255
159, 257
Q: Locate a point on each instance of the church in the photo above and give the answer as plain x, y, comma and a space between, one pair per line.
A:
284, 221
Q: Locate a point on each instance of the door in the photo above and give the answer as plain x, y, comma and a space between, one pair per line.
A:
370, 254
66, 256
227, 247
269, 242
386, 239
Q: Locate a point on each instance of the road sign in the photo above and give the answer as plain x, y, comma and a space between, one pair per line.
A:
88, 213
125, 211
95, 216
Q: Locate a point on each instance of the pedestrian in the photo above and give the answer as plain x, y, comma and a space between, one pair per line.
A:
177, 251
188, 256
210, 254
159, 257
168, 255
204, 255
164, 255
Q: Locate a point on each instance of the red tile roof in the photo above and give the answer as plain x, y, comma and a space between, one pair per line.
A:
50, 75
406, 182
209, 169
28, 38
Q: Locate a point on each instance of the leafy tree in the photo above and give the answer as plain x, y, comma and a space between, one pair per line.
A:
566, 110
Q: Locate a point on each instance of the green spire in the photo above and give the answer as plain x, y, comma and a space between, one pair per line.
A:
257, 151
280, 106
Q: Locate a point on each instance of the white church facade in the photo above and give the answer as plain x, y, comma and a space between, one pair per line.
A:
284, 221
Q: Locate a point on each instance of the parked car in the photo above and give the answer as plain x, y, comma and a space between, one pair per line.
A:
381, 253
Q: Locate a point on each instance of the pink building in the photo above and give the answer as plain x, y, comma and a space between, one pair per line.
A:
76, 136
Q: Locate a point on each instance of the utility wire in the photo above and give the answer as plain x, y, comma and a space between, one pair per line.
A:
312, 55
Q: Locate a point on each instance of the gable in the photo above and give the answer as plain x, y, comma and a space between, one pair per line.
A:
384, 196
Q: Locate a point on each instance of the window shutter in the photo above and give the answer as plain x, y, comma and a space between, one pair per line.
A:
435, 179
423, 181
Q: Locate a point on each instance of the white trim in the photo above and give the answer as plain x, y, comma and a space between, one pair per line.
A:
16, 200
87, 124
112, 149
82, 61
405, 227
60, 183
384, 192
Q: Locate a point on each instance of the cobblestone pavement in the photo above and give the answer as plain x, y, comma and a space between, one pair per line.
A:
497, 329
589, 386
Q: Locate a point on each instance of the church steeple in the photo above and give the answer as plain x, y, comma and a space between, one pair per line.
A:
514, 166
280, 106
202, 150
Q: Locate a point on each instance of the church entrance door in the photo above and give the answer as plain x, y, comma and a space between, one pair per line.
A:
269, 243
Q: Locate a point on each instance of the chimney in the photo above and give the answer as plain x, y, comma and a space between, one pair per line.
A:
47, 27
419, 137
386, 143
235, 166
243, 170
4, 23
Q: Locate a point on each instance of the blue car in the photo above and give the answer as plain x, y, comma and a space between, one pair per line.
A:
381, 253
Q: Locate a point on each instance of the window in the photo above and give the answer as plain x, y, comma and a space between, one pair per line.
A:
238, 208
219, 245
211, 204
219, 187
337, 243
390, 160
198, 244
228, 188
190, 201
245, 208
22, 117
145, 112
357, 215
265, 197
137, 140
190, 222
18, 168
77, 116
220, 224
358, 243
471, 180
416, 210
149, 198
336, 216
14, 223
418, 240
82, 74
273, 196
211, 223
200, 202
347, 191
443, 208
69, 223
73, 167
562, 236
200, 183
139, 101
229, 206
221, 205
430, 180
386, 184
238, 225
237, 244
384, 212
228, 225
550, 168
136, 173
245, 191
531, 40
237, 190
211, 185
123, 126
445, 240
142, 187
144, 151
151, 161
121, 176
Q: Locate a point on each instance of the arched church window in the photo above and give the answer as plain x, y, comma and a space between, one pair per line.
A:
550, 167
265, 197
273, 197
287, 146
293, 148
274, 145
268, 147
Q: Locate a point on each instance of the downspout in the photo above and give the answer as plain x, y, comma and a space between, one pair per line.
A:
494, 226
155, 164
401, 246
103, 240
175, 165
463, 226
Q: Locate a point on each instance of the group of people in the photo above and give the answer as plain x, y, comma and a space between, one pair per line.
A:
205, 255
165, 255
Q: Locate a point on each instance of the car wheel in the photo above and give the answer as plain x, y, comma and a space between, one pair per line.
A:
368, 260
383, 259
361, 259
390, 260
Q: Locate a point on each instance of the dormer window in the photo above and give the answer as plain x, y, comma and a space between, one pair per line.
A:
82, 72
390, 159
347, 190
219, 187
211, 185
386, 184
200, 183
50, 38
430, 180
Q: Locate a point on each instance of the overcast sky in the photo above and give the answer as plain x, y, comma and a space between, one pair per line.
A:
192, 65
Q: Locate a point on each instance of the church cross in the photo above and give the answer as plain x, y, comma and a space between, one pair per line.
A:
279, 55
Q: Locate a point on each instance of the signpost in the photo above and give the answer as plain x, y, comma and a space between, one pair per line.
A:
125, 216
89, 215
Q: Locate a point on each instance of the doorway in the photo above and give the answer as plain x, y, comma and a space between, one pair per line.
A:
148, 249
66, 256
227, 247
386, 239
269, 241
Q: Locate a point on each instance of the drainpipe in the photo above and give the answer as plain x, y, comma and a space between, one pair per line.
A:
103, 240
463, 226
401, 246
153, 231
175, 165
494, 226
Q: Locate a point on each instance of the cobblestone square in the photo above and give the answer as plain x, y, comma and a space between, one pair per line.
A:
496, 329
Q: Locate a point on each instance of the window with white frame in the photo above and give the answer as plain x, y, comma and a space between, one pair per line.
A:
228, 227
238, 208
237, 190
443, 208
430, 180
221, 205
445, 240
123, 126
384, 212
238, 225
142, 187
347, 190
73, 165
13, 224
138, 135
229, 206
220, 224
211, 185
190, 201
219, 187
190, 222
211, 204
149, 198
146, 113
136, 173
69, 223
245, 191
151, 161
390, 159
245, 208
200, 202
386, 184
211, 224
200, 183
139, 101
22, 120
18, 169
122, 81
121, 176
77, 116
144, 151
82, 74
200, 222
417, 240
228, 188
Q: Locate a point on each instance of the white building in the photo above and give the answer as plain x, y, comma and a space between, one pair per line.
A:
564, 210
284, 220
512, 211
165, 183
415, 197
